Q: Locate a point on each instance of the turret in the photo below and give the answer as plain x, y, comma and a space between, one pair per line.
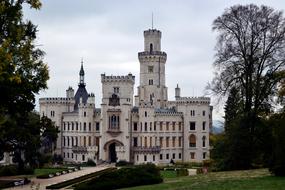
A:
70, 92
81, 75
177, 92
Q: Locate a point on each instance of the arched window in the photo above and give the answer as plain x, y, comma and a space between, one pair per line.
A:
192, 140
203, 141
150, 48
114, 122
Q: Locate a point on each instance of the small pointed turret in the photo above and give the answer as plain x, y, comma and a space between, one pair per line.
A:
177, 92
81, 75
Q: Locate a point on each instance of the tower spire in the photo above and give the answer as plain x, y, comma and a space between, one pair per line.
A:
81, 74
152, 20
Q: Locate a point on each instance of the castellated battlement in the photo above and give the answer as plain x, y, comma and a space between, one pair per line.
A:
155, 56
152, 32
127, 78
57, 100
193, 100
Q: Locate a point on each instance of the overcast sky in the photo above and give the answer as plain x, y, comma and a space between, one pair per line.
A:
108, 35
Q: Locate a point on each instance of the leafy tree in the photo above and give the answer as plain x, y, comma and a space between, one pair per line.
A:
49, 134
22, 75
250, 57
277, 162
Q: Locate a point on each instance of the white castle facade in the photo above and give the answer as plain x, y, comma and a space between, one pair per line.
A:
140, 129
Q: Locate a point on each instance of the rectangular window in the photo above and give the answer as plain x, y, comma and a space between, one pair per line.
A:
145, 158
161, 156
160, 126
150, 126
145, 126
173, 156
173, 126
204, 113
192, 155
180, 141
167, 156
150, 82
167, 141
179, 155
204, 155
84, 126
154, 126
167, 126
153, 157
89, 126
135, 141
173, 141
116, 90
97, 126
192, 126
135, 126
161, 141
180, 126
150, 69
204, 125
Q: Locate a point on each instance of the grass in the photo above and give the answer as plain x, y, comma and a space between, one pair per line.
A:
259, 179
43, 171
168, 174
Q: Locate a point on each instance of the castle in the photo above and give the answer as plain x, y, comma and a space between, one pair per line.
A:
140, 129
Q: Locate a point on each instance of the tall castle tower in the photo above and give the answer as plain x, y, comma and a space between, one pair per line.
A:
152, 89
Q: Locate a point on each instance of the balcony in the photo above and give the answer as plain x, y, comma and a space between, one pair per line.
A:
114, 132
151, 150
83, 149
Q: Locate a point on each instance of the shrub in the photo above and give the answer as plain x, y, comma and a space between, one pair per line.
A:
124, 177
11, 170
124, 163
181, 172
90, 163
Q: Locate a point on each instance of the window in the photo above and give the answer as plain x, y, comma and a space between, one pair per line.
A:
173, 126
192, 140
137, 157
114, 122
135, 126
145, 114
67, 126
192, 155
192, 112
160, 125
89, 126
89, 141
203, 141
180, 126
173, 156
135, 141
167, 156
204, 113
68, 155
167, 126
204, 125
150, 48
150, 69
180, 142
116, 90
145, 126
192, 126
83, 157
64, 126
85, 114
97, 126
150, 82
179, 155
84, 126
154, 126
204, 155
145, 158
161, 156
161, 141
167, 141
153, 157
76, 126
173, 141
72, 127
150, 141
145, 141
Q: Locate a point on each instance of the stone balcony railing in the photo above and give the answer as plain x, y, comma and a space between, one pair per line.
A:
84, 149
152, 149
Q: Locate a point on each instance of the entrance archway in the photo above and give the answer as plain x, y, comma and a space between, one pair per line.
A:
112, 152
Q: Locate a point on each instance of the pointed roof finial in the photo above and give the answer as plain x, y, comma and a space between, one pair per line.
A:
81, 69
152, 20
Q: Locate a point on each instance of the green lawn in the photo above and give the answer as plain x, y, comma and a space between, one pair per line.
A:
168, 174
234, 180
43, 171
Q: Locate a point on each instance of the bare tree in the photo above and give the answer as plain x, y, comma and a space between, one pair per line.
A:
250, 54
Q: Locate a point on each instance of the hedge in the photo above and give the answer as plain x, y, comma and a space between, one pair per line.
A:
124, 177
79, 179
